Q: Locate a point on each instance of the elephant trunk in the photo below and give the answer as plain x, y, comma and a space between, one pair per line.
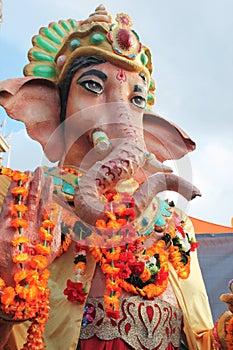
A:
161, 182
121, 164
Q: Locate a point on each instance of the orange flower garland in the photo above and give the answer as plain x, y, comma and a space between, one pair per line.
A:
29, 298
134, 268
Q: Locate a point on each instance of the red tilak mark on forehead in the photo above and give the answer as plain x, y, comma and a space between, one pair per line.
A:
121, 76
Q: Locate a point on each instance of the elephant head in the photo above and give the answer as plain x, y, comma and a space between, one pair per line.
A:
98, 79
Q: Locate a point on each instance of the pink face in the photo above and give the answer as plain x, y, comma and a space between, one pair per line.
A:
95, 90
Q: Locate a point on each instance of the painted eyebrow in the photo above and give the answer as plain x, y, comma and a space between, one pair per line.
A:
143, 77
138, 88
96, 72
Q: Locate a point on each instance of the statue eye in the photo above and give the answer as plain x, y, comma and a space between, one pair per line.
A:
92, 86
139, 101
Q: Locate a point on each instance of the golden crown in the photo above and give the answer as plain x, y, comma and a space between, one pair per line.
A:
56, 46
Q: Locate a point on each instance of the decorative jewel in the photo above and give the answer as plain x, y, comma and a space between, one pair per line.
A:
144, 59
125, 39
88, 315
97, 38
145, 221
150, 99
74, 44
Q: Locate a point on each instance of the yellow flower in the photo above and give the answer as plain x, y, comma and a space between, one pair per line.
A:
109, 270
48, 224
2, 283
7, 171
45, 235
145, 275
41, 249
127, 286
33, 276
32, 293
20, 275
152, 290
19, 208
39, 262
113, 224
110, 215
111, 302
44, 277
113, 255
8, 296
20, 258
17, 240
19, 176
19, 222
100, 224
19, 191
21, 291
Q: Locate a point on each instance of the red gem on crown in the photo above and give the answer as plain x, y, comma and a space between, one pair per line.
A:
124, 20
125, 39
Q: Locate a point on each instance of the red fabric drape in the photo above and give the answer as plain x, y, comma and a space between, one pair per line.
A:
95, 343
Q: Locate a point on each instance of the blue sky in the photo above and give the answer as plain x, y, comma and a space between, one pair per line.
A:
192, 49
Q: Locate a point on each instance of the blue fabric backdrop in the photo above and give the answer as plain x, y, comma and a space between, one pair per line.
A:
215, 254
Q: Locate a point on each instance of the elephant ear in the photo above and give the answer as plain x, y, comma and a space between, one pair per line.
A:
164, 138
36, 102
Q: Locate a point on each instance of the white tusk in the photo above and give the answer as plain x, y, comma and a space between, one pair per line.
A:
101, 142
154, 166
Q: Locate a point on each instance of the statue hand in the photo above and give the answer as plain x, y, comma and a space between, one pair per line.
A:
38, 200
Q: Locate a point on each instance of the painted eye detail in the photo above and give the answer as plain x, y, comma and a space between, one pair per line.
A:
139, 101
92, 86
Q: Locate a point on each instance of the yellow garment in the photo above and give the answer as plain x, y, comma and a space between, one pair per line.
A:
193, 300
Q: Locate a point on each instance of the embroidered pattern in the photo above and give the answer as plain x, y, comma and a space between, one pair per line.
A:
141, 323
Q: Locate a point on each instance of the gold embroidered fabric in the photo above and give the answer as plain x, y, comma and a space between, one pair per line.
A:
144, 324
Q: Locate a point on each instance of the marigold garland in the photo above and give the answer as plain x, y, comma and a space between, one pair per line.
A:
29, 298
128, 265
131, 266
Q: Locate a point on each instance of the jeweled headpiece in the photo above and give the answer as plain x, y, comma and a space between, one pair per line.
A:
56, 46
